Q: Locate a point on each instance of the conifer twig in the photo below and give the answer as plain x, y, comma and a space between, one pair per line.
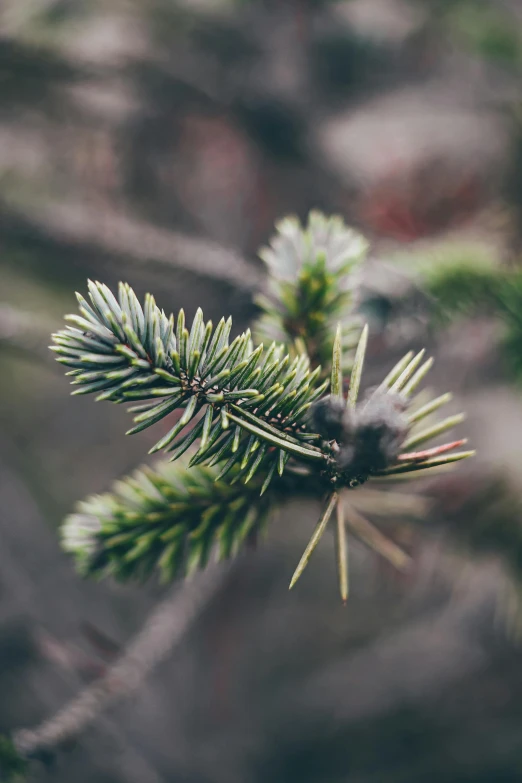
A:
250, 414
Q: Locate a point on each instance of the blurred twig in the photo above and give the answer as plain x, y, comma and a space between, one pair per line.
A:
166, 626
135, 241
24, 333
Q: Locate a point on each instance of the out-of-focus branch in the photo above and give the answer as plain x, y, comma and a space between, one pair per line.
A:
115, 236
22, 332
164, 628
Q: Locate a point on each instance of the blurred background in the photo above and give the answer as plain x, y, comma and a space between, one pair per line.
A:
157, 142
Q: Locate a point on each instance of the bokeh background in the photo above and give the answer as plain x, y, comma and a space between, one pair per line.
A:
158, 142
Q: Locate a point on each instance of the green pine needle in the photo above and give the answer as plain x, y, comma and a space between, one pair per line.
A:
396, 371
336, 383
316, 537
433, 431
407, 373
373, 538
355, 379
417, 377
430, 407
342, 552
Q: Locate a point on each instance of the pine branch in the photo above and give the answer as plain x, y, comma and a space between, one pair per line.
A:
22, 333
123, 352
162, 630
313, 271
170, 518
248, 414
122, 241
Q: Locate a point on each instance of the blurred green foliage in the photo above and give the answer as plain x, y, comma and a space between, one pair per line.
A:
487, 30
12, 767
462, 285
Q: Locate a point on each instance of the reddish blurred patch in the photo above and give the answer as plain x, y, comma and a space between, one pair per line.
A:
217, 175
453, 492
410, 203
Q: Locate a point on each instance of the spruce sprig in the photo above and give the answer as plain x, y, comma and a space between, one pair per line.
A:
253, 423
311, 287
173, 520
239, 403
169, 518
